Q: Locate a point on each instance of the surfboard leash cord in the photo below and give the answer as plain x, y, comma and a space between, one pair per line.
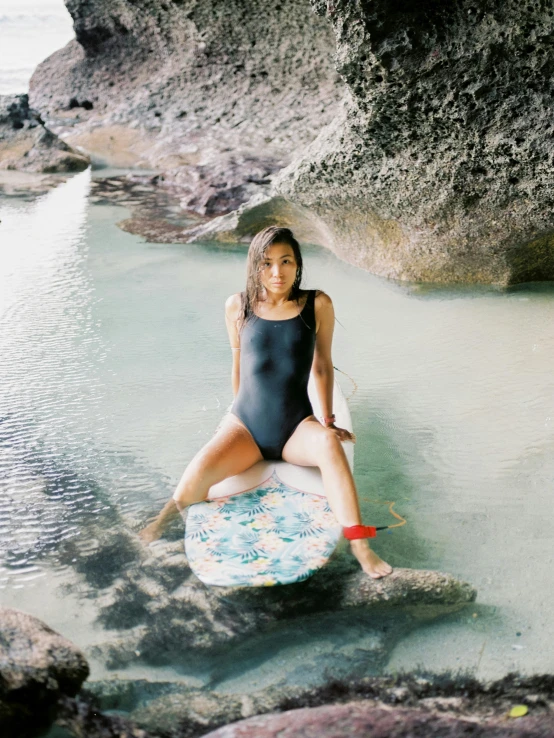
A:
351, 379
377, 502
369, 531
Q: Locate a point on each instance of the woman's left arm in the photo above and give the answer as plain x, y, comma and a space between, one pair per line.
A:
322, 366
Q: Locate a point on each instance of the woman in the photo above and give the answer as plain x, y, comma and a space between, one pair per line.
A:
278, 334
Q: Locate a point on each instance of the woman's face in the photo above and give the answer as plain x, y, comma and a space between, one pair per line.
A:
277, 269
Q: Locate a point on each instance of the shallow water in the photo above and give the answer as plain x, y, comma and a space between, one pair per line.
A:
115, 368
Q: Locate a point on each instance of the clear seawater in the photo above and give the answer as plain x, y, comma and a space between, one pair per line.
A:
30, 30
115, 369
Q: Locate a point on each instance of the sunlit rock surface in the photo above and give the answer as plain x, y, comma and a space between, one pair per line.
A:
37, 667
215, 95
27, 145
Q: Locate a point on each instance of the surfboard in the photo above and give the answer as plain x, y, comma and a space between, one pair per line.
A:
269, 525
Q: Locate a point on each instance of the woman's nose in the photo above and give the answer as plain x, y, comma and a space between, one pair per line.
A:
276, 270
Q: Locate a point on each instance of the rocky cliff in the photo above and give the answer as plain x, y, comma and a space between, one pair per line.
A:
428, 157
216, 95
441, 166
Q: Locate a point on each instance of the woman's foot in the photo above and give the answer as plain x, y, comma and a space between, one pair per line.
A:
369, 561
155, 529
151, 533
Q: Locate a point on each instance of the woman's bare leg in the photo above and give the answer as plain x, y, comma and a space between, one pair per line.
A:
313, 445
232, 450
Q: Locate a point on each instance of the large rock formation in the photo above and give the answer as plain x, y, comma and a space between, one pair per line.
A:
217, 95
441, 168
438, 167
37, 667
27, 145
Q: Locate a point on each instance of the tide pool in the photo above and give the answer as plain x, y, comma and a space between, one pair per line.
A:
115, 368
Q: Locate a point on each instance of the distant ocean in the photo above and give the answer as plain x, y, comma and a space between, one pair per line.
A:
30, 30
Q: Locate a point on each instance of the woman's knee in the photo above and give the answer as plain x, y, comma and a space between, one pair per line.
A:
330, 443
193, 485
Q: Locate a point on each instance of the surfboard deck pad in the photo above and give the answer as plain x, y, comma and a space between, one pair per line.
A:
273, 534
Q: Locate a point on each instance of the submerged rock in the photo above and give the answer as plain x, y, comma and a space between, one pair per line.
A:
175, 711
159, 613
41, 674
27, 145
37, 667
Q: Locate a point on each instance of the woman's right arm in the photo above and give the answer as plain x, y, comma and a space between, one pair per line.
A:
232, 311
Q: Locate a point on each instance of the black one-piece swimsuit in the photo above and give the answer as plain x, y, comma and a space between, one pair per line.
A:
275, 361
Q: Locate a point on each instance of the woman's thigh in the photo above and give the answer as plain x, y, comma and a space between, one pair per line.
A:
230, 451
307, 444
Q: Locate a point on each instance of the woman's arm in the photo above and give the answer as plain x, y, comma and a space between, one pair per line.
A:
322, 366
232, 310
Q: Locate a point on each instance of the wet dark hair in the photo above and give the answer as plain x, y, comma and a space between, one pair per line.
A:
256, 252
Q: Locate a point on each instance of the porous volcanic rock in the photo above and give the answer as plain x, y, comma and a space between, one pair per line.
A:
216, 95
428, 157
364, 720
37, 667
27, 145
439, 167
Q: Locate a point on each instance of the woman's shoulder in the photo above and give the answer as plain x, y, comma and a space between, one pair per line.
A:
322, 299
233, 305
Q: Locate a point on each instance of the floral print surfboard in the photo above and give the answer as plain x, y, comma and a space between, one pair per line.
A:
273, 534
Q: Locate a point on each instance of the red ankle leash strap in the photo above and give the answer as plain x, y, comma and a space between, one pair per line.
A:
354, 532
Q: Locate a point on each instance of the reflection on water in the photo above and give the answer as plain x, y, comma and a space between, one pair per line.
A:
115, 368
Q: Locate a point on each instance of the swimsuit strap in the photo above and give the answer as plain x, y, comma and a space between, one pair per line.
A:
310, 301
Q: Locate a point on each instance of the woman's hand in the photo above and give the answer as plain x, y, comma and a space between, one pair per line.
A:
342, 433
